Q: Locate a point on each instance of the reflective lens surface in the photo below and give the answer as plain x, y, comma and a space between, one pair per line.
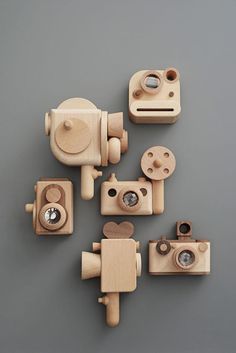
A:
152, 81
52, 215
186, 258
130, 198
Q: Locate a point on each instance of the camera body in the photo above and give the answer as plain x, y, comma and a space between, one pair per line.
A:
82, 135
126, 197
154, 96
184, 256
53, 208
117, 261
144, 196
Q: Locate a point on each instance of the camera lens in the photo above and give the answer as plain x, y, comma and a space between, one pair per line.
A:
186, 258
130, 198
52, 215
152, 81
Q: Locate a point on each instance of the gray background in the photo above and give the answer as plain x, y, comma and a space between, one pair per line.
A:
53, 50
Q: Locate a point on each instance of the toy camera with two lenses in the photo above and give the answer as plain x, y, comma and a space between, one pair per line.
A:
53, 208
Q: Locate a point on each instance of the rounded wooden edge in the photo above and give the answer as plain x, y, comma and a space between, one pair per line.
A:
76, 103
139, 264
173, 72
123, 230
57, 225
114, 150
122, 204
47, 124
149, 163
104, 142
124, 142
176, 260
143, 84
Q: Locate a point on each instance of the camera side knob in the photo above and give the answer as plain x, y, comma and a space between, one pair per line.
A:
163, 247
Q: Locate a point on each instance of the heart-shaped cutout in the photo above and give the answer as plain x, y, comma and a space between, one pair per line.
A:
113, 230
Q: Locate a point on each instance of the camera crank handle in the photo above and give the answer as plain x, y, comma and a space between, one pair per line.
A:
88, 175
112, 303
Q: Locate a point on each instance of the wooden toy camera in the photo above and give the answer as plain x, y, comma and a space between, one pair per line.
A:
154, 96
53, 208
142, 197
82, 135
184, 256
118, 263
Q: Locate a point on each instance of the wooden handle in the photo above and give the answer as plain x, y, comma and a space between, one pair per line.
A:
158, 196
112, 303
88, 175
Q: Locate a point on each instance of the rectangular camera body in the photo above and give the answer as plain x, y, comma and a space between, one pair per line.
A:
112, 194
160, 108
118, 265
161, 264
88, 155
57, 193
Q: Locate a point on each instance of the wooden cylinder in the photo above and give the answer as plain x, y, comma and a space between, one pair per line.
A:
88, 175
90, 265
158, 196
29, 207
112, 303
115, 125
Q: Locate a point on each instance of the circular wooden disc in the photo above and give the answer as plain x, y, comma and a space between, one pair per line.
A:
53, 194
73, 136
158, 163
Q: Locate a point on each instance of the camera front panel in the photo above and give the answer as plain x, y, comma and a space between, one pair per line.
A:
126, 198
54, 207
182, 258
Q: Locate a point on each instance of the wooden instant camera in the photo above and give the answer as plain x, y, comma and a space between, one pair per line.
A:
117, 262
184, 256
82, 135
142, 197
53, 208
154, 96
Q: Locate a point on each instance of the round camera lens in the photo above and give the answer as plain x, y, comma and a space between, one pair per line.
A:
52, 215
152, 81
130, 198
186, 258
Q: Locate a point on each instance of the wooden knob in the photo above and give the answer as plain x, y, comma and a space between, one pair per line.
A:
202, 247
29, 207
68, 124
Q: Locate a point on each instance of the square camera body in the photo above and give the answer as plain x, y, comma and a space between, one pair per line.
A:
126, 197
184, 256
53, 207
154, 96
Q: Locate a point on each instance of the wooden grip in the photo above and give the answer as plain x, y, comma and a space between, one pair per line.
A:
158, 196
112, 303
88, 175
